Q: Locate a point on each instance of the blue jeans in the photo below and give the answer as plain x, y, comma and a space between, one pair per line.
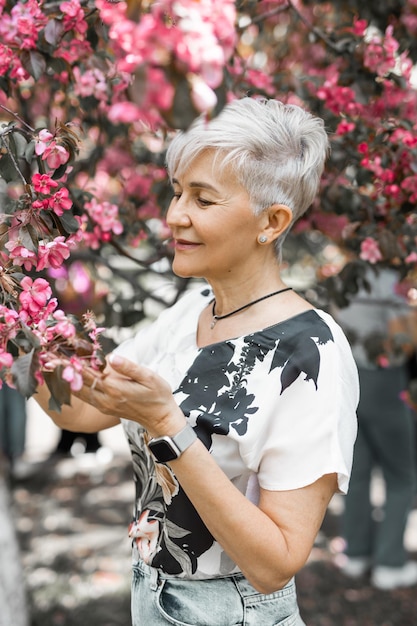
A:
227, 601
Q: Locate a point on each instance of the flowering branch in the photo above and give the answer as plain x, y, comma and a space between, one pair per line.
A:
89, 94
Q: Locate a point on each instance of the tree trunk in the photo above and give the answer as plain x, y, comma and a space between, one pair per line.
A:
13, 605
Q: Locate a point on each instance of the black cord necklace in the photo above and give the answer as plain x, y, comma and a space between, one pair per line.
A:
216, 318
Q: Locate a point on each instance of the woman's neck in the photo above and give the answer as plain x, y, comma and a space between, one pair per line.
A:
231, 297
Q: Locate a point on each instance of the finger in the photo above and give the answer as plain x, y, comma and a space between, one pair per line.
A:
91, 378
125, 367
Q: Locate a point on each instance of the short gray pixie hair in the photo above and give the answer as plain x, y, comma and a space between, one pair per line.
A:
277, 151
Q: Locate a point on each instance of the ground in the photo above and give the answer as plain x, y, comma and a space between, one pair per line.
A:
72, 516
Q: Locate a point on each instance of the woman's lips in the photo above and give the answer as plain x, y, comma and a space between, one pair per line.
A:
183, 244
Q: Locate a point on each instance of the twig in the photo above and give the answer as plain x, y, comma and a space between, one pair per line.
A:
6, 142
313, 29
15, 115
266, 15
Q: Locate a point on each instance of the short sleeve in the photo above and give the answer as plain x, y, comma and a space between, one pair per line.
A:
313, 430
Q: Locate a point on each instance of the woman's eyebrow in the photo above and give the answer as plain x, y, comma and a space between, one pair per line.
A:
195, 184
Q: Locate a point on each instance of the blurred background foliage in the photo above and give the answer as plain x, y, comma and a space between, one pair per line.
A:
111, 81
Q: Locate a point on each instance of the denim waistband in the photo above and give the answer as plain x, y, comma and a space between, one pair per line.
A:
241, 583
147, 570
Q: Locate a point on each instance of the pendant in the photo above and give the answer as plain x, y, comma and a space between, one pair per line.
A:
212, 325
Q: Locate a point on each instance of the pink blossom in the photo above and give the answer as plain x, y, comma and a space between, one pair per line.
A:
401, 135
105, 215
42, 183
32, 317
409, 20
9, 325
60, 201
72, 374
409, 184
370, 250
55, 155
21, 255
6, 359
64, 327
21, 28
74, 51
359, 27
393, 191
411, 258
52, 254
35, 294
10, 316
90, 83
51, 152
6, 58
338, 99
44, 137
345, 127
207, 39
111, 12
203, 97
159, 91
74, 17
381, 53
40, 205
260, 80
125, 112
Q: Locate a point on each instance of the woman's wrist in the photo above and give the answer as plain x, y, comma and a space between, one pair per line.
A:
168, 426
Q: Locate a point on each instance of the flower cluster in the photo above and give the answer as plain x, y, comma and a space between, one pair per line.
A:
54, 339
194, 39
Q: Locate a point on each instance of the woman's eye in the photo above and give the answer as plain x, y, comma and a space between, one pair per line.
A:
204, 202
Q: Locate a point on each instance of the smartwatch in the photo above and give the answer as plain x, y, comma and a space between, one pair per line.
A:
170, 448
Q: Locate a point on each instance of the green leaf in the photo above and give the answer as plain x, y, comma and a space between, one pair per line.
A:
30, 151
59, 389
20, 144
8, 170
60, 171
25, 330
53, 32
69, 222
23, 373
28, 237
34, 63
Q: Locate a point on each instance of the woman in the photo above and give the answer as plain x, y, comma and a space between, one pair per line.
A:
239, 401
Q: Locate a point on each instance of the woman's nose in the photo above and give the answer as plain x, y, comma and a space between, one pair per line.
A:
177, 214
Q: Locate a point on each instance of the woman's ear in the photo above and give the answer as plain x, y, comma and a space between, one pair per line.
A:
277, 219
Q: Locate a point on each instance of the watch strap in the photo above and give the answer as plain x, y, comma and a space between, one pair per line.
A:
184, 438
176, 444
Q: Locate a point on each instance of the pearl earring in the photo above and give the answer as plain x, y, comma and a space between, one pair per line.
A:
262, 239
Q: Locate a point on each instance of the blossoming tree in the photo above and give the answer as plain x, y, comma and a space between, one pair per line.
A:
90, 91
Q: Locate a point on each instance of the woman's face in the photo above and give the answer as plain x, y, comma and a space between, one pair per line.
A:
214, 229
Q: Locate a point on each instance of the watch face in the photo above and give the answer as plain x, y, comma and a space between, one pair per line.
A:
163, 450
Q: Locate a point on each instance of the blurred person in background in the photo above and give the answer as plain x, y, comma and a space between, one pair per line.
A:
380, 326
13, 417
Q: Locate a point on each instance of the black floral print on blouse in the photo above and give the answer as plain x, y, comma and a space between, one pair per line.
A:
168, 530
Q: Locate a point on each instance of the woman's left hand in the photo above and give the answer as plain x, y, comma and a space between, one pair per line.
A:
133, 392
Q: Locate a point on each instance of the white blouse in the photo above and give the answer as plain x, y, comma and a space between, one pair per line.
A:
275, 408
